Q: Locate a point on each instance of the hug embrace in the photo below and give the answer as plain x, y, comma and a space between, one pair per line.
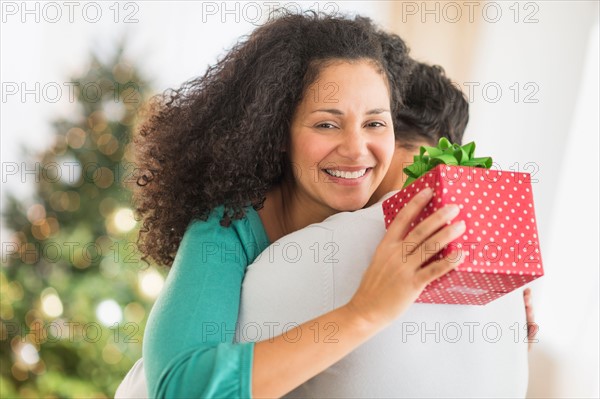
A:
293, 140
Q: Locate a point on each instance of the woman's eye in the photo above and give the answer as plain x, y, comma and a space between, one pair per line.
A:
326, 125
375, 124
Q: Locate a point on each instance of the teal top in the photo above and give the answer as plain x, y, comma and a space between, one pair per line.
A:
188, 342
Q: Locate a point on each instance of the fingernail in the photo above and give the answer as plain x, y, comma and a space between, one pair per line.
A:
459, 227
451, 211
426, 192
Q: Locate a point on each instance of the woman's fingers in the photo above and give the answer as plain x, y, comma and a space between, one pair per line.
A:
532, 327
438, 268
401, 224
432, 224
395, 277
430, 247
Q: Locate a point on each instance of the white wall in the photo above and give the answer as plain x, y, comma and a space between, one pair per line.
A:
559, 134
567, 299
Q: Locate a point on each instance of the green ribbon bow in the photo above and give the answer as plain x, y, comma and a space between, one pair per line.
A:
445, 153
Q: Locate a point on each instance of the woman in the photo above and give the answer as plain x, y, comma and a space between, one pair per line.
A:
292, 126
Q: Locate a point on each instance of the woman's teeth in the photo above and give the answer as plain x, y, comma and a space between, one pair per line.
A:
346, 175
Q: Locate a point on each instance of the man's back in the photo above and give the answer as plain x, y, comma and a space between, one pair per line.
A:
430, 351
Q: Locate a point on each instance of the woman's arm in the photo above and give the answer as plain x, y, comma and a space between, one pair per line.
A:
393, 281
188, 344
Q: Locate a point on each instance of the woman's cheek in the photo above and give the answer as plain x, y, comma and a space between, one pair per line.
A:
387, 150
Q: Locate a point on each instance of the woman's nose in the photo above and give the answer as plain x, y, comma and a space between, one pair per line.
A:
353, 143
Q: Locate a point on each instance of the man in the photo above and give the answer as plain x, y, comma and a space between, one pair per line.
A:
431, 350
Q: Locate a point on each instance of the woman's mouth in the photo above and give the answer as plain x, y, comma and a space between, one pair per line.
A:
347, 174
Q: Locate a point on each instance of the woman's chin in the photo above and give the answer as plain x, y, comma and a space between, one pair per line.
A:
347, 205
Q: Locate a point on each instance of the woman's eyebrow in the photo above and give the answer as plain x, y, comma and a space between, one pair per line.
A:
377, 111
336, 111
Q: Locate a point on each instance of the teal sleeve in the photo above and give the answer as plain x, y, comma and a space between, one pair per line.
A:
188, 342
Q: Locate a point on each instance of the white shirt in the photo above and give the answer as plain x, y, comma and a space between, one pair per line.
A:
430, 351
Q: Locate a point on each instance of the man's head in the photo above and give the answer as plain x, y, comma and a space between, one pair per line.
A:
434, 108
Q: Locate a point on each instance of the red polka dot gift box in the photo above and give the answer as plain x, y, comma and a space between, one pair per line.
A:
501, 241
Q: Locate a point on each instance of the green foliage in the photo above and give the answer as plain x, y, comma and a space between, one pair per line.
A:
74, 293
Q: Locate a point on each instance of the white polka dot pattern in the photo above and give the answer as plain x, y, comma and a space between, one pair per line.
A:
501, 238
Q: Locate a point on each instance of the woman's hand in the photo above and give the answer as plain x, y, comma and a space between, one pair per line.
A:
395, 278
532, 327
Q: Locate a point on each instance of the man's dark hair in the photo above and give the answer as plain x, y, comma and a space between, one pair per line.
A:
434, 108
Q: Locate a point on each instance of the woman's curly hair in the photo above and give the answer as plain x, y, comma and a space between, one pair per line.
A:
220, 138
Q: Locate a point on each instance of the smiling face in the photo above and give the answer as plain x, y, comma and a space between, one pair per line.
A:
342, 137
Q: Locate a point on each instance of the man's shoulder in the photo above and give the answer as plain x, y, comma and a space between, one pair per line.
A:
374, 213
341, 226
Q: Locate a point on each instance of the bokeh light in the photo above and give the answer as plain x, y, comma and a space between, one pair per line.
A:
107, 144
124, 220
108, 312
76, 137
97, 121
114, 111
104, 177
36, 213
51, 303
29, 354
151, 283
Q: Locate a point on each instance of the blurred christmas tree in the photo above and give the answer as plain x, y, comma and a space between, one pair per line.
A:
74, 294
